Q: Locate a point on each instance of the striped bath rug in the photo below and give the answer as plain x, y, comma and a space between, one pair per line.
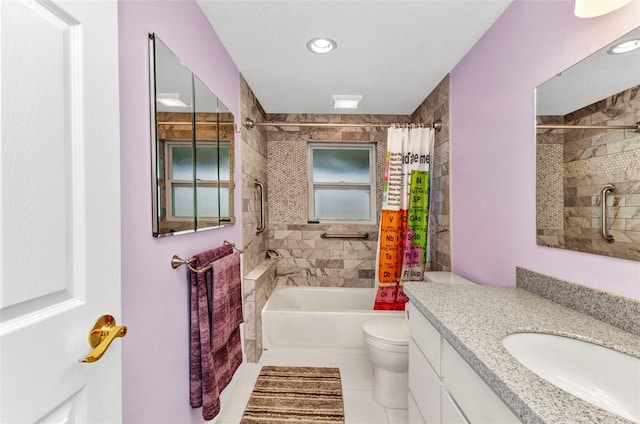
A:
301, 395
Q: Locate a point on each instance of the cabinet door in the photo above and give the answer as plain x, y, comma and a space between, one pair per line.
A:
414, 415
451, 414
426, 336
474, 397
424, 385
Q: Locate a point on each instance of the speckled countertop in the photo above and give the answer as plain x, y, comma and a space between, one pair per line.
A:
475, 319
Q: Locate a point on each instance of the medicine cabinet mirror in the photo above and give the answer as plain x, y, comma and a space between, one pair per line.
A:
191, 149
587, 176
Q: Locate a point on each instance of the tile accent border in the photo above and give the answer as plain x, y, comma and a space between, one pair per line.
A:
621, 312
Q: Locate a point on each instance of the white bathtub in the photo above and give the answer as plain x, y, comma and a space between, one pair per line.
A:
330, 317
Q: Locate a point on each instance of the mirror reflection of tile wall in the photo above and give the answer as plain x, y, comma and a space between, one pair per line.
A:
574, 165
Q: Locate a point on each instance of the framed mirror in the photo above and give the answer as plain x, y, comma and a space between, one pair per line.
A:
588, 155
191, 149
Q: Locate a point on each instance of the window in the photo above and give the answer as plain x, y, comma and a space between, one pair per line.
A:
212, 172
342, 182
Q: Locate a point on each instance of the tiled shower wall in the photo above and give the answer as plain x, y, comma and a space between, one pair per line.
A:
254, 166
257, 286
592, 159
259, 272
309, 260
550, 183
278, 157
436, 106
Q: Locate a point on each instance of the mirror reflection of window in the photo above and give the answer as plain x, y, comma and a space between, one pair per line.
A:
212, 171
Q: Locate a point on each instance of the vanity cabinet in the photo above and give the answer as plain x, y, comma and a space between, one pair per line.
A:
443, 388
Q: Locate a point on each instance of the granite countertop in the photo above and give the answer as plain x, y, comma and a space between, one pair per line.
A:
475, 319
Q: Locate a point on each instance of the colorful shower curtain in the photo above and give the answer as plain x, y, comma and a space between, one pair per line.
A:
403, 241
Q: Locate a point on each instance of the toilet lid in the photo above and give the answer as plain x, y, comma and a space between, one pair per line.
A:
395, 331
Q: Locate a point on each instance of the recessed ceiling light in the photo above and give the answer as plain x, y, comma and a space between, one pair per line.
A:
593, 8
172, 100
346, 101
625, 47
321, 45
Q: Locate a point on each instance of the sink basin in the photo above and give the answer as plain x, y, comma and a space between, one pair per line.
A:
601, 376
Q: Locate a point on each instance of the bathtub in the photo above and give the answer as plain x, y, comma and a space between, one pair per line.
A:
323, 317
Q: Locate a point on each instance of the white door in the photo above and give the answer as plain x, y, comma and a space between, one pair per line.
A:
59, 210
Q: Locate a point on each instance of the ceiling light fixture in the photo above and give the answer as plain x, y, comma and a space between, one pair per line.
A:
321, 45
346, 101
172, 100
625, 46
593, 8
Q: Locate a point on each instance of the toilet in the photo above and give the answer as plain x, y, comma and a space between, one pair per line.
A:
387, 341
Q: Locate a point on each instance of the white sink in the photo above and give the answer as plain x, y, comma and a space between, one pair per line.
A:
601, 376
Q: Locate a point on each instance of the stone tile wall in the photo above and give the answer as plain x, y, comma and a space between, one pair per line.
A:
258, 285
309, 260
550, 183
592, 159
254, 166
313, 261
436, 106
259, 274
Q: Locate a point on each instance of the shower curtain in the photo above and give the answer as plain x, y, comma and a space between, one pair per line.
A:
403, 242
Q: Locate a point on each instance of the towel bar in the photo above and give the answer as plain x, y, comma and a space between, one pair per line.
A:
177, 261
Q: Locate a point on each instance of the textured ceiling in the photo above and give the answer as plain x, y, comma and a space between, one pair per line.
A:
393, 53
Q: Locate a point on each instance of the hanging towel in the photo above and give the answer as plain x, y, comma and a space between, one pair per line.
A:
216, 314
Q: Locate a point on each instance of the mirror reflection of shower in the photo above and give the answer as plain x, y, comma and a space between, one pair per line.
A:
587, 138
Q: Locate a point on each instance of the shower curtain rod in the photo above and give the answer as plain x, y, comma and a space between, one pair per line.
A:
212, 124
635, 127
249, 124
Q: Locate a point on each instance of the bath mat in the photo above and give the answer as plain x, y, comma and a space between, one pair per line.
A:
301, 395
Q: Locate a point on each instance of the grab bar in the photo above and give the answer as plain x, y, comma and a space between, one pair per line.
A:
609, 188
260, 227
364, 236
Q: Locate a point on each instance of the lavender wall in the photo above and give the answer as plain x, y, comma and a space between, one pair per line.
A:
493, 145
154, 296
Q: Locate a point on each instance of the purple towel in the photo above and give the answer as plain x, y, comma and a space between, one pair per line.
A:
216, 314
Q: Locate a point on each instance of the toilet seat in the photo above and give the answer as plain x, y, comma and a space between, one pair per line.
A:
385, 332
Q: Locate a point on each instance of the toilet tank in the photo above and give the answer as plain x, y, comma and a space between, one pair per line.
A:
445, 277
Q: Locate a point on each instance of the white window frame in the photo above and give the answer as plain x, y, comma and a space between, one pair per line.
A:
169, 181
371, 147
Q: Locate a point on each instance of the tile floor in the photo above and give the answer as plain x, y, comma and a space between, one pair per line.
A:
357, 381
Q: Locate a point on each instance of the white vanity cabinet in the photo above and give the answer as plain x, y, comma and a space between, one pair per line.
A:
443, 388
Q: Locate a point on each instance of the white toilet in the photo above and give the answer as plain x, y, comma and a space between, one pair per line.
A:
387, 341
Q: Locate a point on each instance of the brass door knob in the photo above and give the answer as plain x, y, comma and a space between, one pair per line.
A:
101, 335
